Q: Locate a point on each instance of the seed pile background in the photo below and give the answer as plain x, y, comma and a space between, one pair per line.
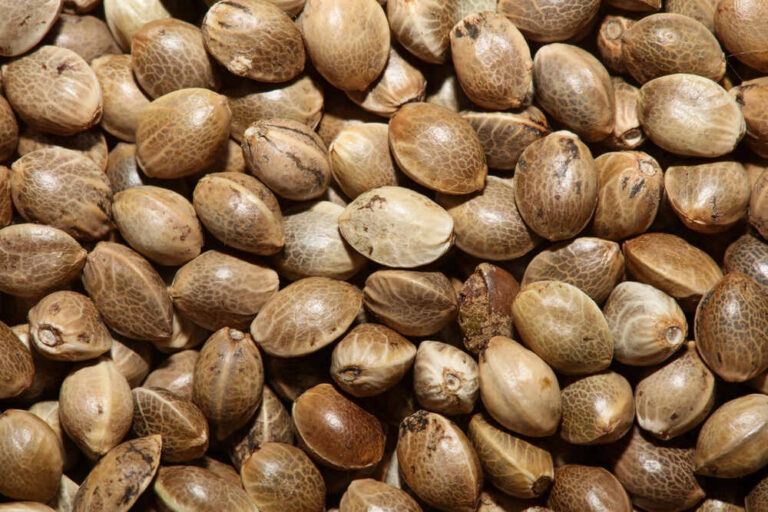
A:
391, 256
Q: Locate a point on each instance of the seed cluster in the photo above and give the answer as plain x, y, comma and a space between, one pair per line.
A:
384, 255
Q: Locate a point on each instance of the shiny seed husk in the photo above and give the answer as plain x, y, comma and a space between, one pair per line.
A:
378, 224
335, 431
24, 25
676, 397
630, 188
217, 290
752, 95
564, 326
187, 488
128, 292
120, 477
423, 28
371, 359
367, 494
96, 406
411, 302
731, 331
580, 488
732, 442
511, 464
758, 209
126, 17
518, 389
550, 20
17, 369
438, 462
6, 201
647, 325
175, 374
609, 42
737, 25
748, 255
305, 316
48, 411
133, 359
30, 454
445, 379
280, 477
228, 380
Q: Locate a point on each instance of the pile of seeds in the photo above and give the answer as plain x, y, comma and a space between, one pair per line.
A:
384, 255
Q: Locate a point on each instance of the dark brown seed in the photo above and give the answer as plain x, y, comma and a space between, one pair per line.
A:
748, 255
175, 374
369, 494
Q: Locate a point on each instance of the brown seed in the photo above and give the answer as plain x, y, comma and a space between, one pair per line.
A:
24, 25
35, 259
133, 359
126, 17
305, 316
291, 377
192, 488
443, 88
300, 100
485, 306
271, 424
240, 212
423, 28
627, 133
593, 265
182, 133
708, 198
658, 476
369, 494
757, 499
30, 456
118, 479
96, 407
54, 90
631, 184
254, 39
168, 55
702, 11
9, 130
663, 44
512, 465
181, 424
66, 326
732, 442
672, 265
556, 186
122, 169
550, 20
399, 83
676, 397
647, 325
518, 389
123, 99
731, 331
87, 36
90, 143
748, 255
175, 374
504, 135
218, 290
335, 431
347, 40
488, 224
493, 500
64, 189
413, 303
438, 462
690, 115
564, 326
371, 359
128, 292
752, 96
48, 374
159, 223
737, 25
609, 41
288, 157
758, 208
228, 380
186, 335
379, 224
445, 379
17, 368
573, 87
48, 411
486, 77
636, 5
580, 488
281, 477
6, 201
597, 409
437, 148
360, 159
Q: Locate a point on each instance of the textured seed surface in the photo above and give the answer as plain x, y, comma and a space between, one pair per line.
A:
627, 133
90, 143
175, 374
17, 368
423, 28
549, 20
254, 39
306, 316
609, 41
25, 24
736, 25
128, 292
193, 488
437, 148
87, 36
751, 96
748, 255
63, 189
9, 130
123, 99
580, 488
445, 378
438, 462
